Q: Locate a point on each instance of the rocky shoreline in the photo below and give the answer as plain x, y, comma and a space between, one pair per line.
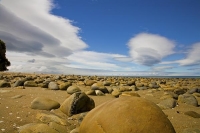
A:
50, 103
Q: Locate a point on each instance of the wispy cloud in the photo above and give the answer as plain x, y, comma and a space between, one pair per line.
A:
95, 60
162, 68
192, 57
149, 49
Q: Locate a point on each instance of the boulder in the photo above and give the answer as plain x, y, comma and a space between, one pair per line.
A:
125, 115
42, 103
188, 99
77, 103
167, 103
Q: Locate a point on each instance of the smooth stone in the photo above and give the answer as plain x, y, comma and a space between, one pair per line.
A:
53, 86
99, 86
19, 83
73, 89
191, 91
65, 85
168, 103
90, 92
36, 128
4, 84
116, 93
125, 115
50, 117
179, 91
99, 93
77, 103
89, 82
30, 84
188, 99
42, 103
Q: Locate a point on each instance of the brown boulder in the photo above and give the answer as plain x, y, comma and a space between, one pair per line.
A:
126, 115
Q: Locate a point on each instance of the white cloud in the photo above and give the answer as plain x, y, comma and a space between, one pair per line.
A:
94, 60
192, 57
30, 27
149, 49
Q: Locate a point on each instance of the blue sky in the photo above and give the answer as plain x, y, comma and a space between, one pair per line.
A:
103, 37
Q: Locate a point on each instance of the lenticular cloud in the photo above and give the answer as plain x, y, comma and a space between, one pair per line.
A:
149, 49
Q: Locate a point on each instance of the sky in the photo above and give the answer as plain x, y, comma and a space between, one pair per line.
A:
102, 37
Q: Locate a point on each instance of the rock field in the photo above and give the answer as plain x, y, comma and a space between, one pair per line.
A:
50, 103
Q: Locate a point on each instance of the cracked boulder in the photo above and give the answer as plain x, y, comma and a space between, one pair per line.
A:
77, 103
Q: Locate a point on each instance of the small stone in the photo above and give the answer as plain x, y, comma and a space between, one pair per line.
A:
36, 128
53, 86
73, 89
42, 103
30, 84
99, 93
192, 114
167, 103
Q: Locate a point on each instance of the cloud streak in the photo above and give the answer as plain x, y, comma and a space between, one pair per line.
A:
192, 57
149, 49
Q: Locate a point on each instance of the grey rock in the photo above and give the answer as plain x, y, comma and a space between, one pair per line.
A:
179, 91
53, 86
167, 103
188, 99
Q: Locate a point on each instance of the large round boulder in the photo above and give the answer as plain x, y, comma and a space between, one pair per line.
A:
126, 115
